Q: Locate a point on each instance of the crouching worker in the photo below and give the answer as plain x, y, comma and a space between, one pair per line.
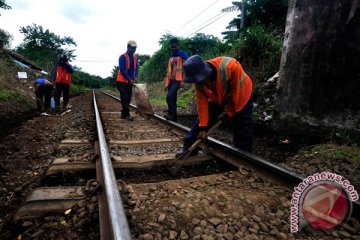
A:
43, 92
221, 86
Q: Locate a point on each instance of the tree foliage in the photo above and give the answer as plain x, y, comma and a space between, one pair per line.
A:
258, 45
270, 13
84, 79
44, 47
6, 38
3, 5
154, 69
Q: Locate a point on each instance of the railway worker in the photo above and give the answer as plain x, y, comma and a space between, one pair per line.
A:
62, 77
221, 86
43, 91
173, 80
126, 77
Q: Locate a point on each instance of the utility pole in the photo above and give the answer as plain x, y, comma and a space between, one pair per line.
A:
242, 23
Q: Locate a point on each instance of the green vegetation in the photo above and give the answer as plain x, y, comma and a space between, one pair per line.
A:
44, 47
187, 95
257, 46
9, 95
6, 95
158, 101
154, 69
259, 51
3, 5
347, 137
335, 152
5, 37
256, 42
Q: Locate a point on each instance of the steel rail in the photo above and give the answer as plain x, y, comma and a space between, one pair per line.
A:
119, 225
292, 177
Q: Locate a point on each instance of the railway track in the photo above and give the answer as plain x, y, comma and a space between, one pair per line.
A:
80, 195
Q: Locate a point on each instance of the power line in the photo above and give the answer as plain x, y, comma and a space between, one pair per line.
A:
199, 14
209, 23
206, 21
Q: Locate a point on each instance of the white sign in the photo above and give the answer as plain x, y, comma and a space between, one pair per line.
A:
22, 75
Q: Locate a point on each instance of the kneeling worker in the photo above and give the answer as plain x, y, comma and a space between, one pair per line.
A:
221, 86
43, 92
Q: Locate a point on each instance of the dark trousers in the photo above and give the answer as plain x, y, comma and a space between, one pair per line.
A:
125, 90
64, 89
43, 97
242, 125
171, 97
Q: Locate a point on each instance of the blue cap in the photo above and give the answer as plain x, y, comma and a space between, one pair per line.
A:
196, 70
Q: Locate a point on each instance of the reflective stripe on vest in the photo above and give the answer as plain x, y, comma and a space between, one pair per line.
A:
223, 71
177, 70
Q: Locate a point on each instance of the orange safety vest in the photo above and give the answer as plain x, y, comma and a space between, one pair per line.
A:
120, 77
231, 80
175, 70
62, 75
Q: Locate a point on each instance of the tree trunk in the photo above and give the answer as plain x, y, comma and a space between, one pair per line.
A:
319, 80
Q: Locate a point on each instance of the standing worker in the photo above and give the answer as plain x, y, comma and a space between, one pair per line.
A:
173, 80
63, 77
221, 85
43, 91
126, 77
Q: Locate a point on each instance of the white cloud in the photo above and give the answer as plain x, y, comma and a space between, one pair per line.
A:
102, 29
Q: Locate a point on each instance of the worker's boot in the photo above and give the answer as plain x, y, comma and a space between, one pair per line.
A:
170, 117
57, 109
182, 152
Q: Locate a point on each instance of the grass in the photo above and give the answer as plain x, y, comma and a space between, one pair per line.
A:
158, 101
332, 151
13, 96
157, 95
6, 95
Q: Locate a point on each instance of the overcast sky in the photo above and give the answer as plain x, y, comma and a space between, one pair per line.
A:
102, 29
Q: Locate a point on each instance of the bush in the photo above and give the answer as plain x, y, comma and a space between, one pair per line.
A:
259, 49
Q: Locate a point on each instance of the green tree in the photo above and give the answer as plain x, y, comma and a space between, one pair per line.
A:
142, 58
3, 5
112, 78
6, 38
270, 13
154, 69
44, 47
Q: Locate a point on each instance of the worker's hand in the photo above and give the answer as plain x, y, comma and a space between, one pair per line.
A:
202, 135
182, 84
135, 80
166, 88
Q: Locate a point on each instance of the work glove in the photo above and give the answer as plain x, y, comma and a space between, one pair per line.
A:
166, 88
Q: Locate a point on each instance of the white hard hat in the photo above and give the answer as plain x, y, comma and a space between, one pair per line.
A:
132, 43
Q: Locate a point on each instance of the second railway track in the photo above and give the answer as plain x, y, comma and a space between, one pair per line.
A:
215, 195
